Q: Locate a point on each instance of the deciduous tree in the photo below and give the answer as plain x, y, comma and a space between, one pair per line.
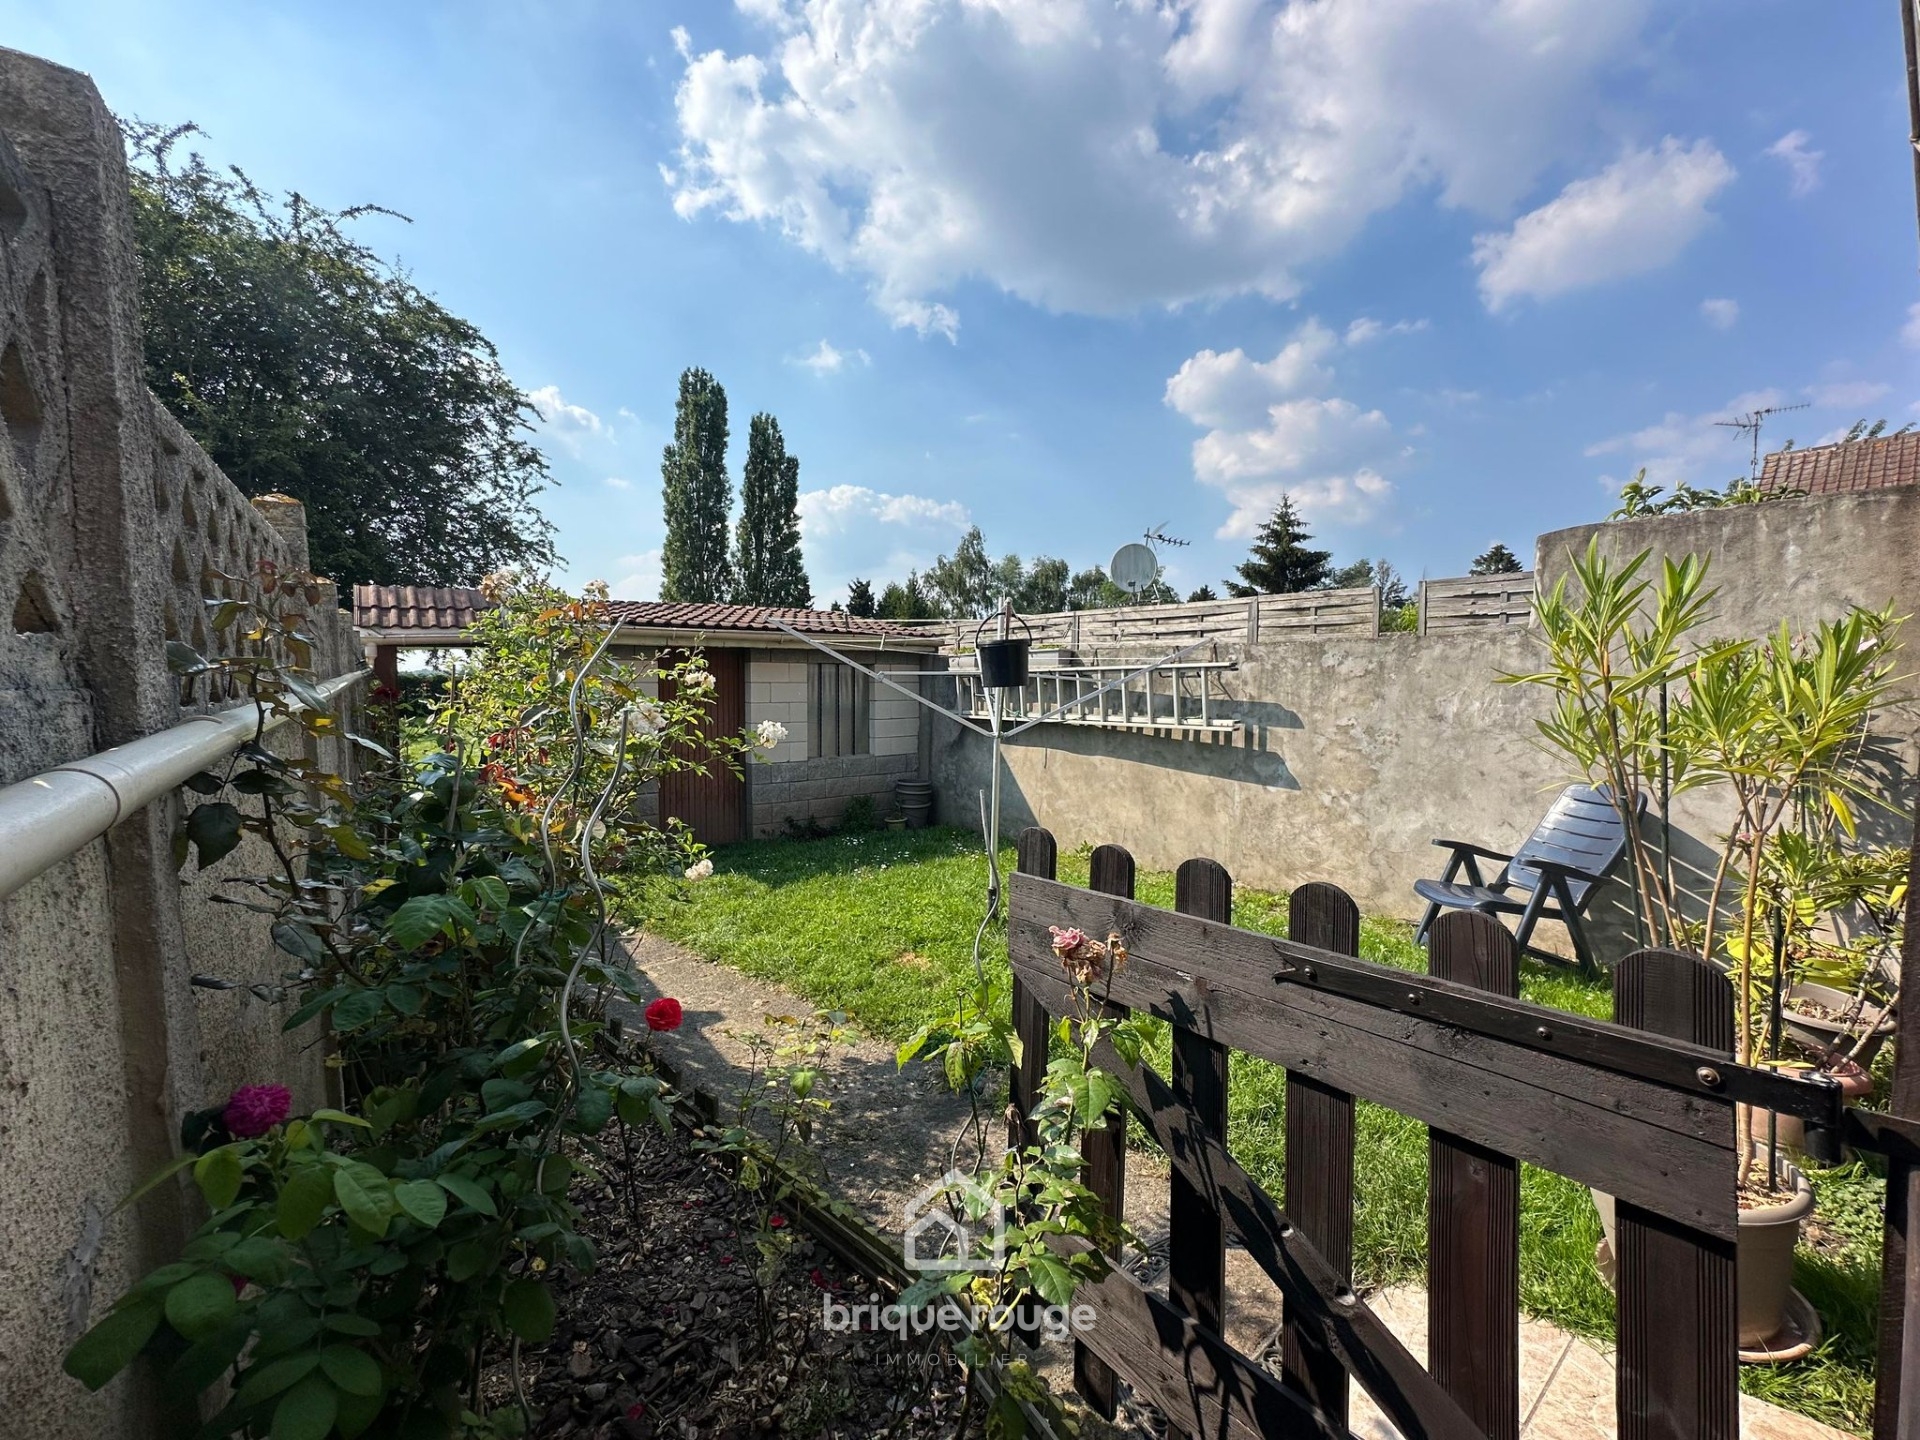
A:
304, 363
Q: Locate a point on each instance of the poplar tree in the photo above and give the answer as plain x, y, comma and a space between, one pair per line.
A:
697, 493
767, 565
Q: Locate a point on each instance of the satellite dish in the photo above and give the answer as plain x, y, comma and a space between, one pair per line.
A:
1134, 567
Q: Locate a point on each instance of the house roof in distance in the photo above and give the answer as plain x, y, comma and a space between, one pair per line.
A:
395, 610
1845, 468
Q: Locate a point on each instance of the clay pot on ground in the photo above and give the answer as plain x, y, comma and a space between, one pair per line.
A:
1764, 1261
915, 799
1820, 1034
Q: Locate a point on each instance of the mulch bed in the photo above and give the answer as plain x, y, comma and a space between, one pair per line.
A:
665, 1338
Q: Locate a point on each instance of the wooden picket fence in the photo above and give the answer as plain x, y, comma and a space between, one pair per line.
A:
1641, 1108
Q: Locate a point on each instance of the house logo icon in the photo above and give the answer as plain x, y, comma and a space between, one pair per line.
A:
943, 1221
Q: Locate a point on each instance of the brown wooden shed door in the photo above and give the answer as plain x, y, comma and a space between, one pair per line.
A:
713, 805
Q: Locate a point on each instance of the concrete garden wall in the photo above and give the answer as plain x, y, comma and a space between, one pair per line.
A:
1359, 750
112, 522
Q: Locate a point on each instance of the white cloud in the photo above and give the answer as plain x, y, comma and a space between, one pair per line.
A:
614, 482
1098, 156
1802, 162
1847, 394
846, 507
1910, 332
568, 423
1634, 216
1266, 438
639, 576
826, 360
1694, 448
1367, 329
1720, 314
1230, 390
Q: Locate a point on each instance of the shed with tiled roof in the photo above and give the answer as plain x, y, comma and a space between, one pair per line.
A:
844, 735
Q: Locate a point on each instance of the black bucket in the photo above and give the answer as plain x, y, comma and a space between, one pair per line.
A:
1003, 663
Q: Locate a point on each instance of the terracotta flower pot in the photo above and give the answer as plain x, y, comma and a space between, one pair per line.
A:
1818, 1033
1764, 1261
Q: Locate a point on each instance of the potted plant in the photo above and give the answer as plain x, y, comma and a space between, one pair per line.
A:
1780, 725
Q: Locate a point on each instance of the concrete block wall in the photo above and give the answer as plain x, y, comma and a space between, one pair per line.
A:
788, 786
114, 527
1357, 751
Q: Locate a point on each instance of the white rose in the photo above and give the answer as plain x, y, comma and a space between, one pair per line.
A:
646, 718
769, 733
700, 870
699, 682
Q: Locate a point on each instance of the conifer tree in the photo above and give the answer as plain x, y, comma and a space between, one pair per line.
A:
697, 493
1281, 563
767, 565
860, 602
1496, 560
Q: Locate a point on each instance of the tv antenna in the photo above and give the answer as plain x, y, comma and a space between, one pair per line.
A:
1749, 424
1158, 536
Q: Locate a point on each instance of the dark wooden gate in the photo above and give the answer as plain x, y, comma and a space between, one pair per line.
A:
1642, 1108
712, 804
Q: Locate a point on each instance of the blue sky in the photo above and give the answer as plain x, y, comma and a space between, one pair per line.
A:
1446, 271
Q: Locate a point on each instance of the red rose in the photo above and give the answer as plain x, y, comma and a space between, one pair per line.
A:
664, 1014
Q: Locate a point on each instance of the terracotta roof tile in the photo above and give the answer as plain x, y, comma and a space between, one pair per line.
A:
444, 607
1844, 469
416, 607
684, 615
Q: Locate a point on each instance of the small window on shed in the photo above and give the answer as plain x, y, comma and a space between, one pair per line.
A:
838, 701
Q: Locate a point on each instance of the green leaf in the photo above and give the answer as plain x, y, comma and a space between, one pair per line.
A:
218, 1174
341, 1117
313, 1007
372, 745
306, 1412
468, 1192
354, 1371
486, 892
299, 942
359, 1008
271, 1378
423, 1201
208, 1359
406, 999
204, 783
527, 1307
201, 1305
593, 1109
510, 1117
363, 1194
109, 1347
1052, 1279
259, 1258
303, 1200
214, 829
469, 1258
183, 659
342, 1323
419, 920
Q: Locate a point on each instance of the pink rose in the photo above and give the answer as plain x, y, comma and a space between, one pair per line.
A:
255, 1109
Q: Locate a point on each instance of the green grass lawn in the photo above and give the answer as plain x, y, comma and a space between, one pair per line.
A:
881, 926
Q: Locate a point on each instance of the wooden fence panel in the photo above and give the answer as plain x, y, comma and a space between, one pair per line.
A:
1319, 1138
1197, 1234
1110, 872
1896, 1401
1038, 855
1473, 1215
1676, 1312
1476, 601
